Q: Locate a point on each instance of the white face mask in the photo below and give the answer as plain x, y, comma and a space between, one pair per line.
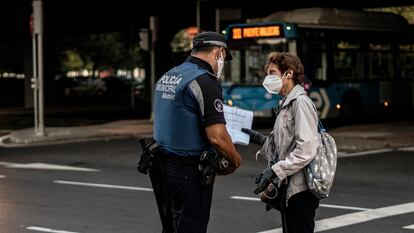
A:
273, 84
220, 65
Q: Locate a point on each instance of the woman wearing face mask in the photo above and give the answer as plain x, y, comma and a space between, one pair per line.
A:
293, 144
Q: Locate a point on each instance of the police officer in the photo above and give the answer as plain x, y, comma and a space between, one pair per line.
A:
189, 120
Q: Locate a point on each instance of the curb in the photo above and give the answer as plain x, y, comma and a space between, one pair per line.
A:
5, 141
63, 135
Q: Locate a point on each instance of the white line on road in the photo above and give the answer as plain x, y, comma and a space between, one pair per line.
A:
410, 227
42, 229
410, 149
2, 176
346, 155
245, 198
343, 207
103, 185
5, 163
47, 166
321, 205
358, 217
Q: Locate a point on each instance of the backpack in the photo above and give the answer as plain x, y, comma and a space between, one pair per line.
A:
320, 172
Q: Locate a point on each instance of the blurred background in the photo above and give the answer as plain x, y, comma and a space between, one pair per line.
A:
100, 60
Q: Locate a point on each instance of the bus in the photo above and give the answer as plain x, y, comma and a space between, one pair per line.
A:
356, 63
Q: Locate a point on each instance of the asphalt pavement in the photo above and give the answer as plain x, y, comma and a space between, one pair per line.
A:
85, 180
94, 187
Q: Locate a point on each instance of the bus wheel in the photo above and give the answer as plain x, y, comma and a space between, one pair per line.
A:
350, 106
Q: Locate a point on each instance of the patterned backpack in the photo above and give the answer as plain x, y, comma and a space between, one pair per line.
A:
320, 172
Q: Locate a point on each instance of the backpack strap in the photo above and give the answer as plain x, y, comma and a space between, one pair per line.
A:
321, 129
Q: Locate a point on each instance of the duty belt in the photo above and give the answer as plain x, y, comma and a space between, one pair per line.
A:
183, 160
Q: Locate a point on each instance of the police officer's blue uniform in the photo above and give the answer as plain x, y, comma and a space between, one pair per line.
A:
187, 99
177, 119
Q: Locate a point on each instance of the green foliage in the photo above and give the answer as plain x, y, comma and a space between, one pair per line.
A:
181, 42
99, 52
71, 60
405, 11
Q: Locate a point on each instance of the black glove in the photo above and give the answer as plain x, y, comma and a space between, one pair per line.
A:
264, 179
255, 137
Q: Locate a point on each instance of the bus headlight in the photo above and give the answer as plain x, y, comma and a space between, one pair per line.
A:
386, 104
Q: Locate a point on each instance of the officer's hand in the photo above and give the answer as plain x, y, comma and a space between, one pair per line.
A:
255, 137
264, 179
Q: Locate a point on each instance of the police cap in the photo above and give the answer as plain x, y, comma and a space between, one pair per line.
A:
206, 39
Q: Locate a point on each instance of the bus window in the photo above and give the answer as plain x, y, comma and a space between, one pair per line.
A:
380, 61
247, 66
316, 64
406, 61
348, 61
253, 70
232, 69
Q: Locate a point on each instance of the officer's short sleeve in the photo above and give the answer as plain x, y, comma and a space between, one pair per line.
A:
208, 92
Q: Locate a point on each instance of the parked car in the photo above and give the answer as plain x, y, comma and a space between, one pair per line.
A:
86, 86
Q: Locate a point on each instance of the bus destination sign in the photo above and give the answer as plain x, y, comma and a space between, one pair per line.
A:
238, 33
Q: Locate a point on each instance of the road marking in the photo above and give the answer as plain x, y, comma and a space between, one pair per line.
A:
410, 227
102, 185
321, 205
346, 155
343, 207
410, 149
42, 229
2, 176
245, 198
47, 166
5, 163
358, 217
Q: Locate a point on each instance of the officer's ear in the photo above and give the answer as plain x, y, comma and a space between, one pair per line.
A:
219, 53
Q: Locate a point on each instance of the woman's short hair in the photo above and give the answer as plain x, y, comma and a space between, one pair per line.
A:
286, 62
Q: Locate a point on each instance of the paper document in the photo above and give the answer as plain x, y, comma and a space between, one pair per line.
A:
236, 119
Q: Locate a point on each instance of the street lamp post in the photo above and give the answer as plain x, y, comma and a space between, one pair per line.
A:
198, 15
38, 74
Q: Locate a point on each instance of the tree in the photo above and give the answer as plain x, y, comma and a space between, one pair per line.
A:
99, 52
405, 11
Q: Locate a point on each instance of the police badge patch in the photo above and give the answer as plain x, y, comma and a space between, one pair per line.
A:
218, 105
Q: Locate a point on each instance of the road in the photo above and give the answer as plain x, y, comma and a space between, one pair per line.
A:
93, 187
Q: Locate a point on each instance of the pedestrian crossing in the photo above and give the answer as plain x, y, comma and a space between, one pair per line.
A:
358, 217
410, 227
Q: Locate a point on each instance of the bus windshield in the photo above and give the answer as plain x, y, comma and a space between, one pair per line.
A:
249, 59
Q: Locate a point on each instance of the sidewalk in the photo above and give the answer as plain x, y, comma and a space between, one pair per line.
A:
354, 138
374, 136
56, 135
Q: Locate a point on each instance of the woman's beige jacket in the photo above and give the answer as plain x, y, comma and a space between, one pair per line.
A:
295, 138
